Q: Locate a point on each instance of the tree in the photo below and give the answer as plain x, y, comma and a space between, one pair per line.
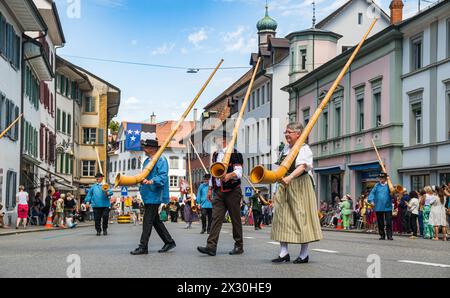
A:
114, 126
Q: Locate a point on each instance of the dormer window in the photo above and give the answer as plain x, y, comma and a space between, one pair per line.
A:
360, 18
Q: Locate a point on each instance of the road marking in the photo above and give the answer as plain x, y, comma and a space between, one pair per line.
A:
424, 263
326, 251
274, 243
249, 237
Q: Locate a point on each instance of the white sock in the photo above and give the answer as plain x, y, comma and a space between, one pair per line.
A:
304, 251
284, 249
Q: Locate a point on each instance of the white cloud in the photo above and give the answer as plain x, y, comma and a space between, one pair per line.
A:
131, 101
241, 40
184, 51
197, 37
164, 49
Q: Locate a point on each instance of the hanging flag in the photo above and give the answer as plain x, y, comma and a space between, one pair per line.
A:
137, 132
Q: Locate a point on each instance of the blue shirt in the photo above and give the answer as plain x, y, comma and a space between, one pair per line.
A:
381, 197
202, 196
97, 197
158, 192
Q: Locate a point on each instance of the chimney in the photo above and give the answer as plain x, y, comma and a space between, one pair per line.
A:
153, 119
396, 11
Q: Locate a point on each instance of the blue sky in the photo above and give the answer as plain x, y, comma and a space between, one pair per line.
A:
186, 33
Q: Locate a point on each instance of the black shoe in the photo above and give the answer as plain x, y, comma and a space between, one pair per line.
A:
390, 238
139, 251
302, 261
203, 232
382, 238
206, 251
167, 247
236, 251
286, 258
105, 233
99, 233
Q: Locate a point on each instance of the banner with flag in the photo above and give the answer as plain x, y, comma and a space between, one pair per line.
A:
137, 132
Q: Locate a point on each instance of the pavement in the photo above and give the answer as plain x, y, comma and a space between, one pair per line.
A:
52, 253
35, 229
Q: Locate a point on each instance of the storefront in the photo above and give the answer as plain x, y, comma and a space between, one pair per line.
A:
366, 176
330, 182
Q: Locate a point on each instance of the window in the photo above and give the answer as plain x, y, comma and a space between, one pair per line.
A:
293, 61
69, 124
325, 126
253, 100
263, 94
306, 116
416, 53
293, 106
129, 164
360, 112
448, 113
124, 166
419, 182
417, 125
89, 136
338, 121
88, 168
120, 166
268, 92
174, 163
58, 120
360, 18
377, 108
448, 38
173, 181
11, 189
10, 43
89, 104
133, 164
64, 123
258, 99
303, 59
101, 136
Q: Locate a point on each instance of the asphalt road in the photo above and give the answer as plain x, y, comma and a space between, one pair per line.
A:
46, 254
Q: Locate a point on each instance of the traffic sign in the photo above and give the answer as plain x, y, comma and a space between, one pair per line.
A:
248, 192
124, 191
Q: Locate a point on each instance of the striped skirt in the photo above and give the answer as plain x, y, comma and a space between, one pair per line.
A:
296, 217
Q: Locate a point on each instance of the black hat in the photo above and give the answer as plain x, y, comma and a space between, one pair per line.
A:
150, 143
383, 175
207, 176
99, 175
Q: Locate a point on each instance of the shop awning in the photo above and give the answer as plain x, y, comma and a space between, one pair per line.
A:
367, 166
330, 170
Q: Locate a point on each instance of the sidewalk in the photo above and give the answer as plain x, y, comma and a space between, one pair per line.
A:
364, 232
34, 229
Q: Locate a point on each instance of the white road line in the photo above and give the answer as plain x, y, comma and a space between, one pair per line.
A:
249, 237
326, 251
274, 243
424, 263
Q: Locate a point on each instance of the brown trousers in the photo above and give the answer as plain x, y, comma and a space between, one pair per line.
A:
223, 202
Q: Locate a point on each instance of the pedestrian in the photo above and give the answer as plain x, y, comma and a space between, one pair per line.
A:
190, 215
58, 220
69, 205
205, 204
2, 216
296, 197
47, 205
413, 208
83, 211
406, 215
154, 192
163, 214
99, 200
420, 217
346, 211
397, 215
173, 209
438, 214
227, 196
36, 210
136, 211
22, 200
380, 198
256, 208
429, 197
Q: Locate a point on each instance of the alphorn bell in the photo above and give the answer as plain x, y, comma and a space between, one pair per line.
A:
219, 169
105, 185
259, 174
133, 180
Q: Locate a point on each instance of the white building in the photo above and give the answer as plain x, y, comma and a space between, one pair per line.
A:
16, 18
426, 98
129, 163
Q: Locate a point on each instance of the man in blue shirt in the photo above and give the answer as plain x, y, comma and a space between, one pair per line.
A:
204, 200
154, 192
99, 200
380, 197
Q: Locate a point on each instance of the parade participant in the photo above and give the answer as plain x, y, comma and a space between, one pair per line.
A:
438, 215
189, 215
22, 199
346, 211
173, 209
295, 220
58, 221
256, 210
429, 197
99, 200
154, 192
227, 198
136, 211
381, 199
413, 208
205, 204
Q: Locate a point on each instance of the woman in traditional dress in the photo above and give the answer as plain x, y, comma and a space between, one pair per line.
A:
296, 220
438, 215
189, 215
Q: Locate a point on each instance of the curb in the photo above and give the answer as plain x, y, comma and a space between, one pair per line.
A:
363, 232
40, 230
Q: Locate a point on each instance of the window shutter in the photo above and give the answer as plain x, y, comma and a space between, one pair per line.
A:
17, 126
52, 106
100, 136
42, 91
69, 124
58, 120
46, 144
41, 142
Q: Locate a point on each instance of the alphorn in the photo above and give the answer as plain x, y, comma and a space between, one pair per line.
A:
393, 189
191, 190
261, 175
261, 198
199, 158
219, 169
11, 126
134, 180
105, 185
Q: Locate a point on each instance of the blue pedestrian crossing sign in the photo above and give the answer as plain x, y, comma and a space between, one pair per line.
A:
124, 191
248, 192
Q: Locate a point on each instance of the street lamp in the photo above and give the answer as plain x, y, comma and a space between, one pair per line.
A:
193, 70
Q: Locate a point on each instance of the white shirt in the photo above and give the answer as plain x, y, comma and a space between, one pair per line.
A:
413, 206
237, 168
22, 197
305, 157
